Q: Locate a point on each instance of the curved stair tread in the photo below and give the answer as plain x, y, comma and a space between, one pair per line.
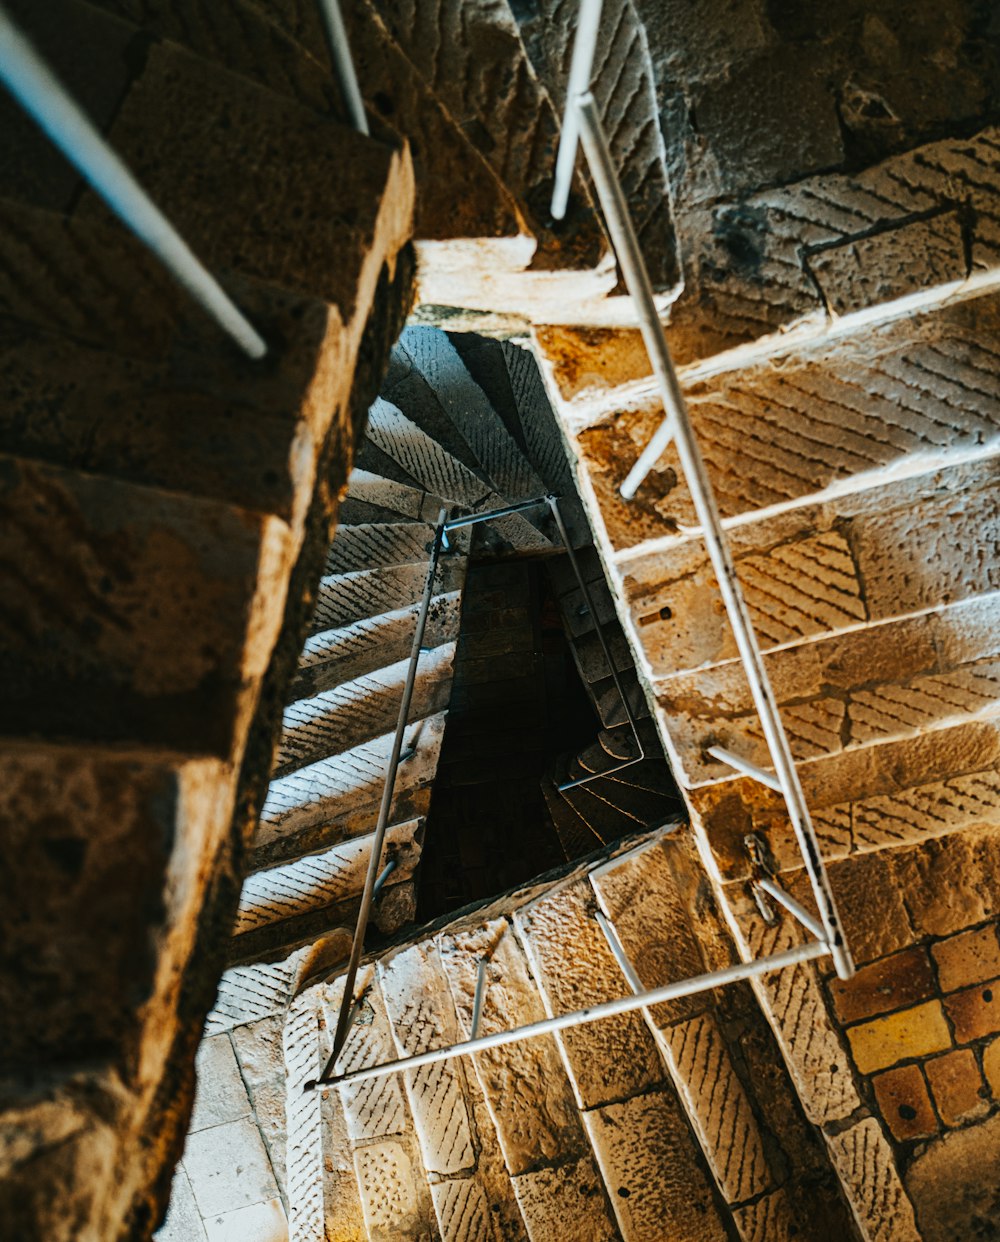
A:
334, 656
375, 545
576, 837
372, 497
345, 598
360, 710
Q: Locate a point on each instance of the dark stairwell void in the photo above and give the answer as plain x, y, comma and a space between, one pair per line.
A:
517, 703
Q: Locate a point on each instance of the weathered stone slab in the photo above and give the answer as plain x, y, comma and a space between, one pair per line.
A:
769, 1219
361, 710
652, 1170
258, 1047
867, 1168
573, 966
370, 546
344, 598
370, 493
128, 632
567, 1200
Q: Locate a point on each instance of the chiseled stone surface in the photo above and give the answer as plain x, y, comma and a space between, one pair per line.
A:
607, 1060
568, 1201
947, 1184
769, 1219
864, 1160
653, 1171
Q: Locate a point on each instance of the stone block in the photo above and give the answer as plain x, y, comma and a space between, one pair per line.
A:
957, 1086
608, 1060
261, 1222
262, 1066
220, 1095
892, 983
653, 1171
867, 1169
904, 1103
969, 957
769, 1219
388, 1182
975, 1012
950, 882
991, 1066
914, 1032
952, 1183
229, 1168
183, 1222
568, 1201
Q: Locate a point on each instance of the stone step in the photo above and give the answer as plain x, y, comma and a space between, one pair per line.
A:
608, 700
237, 35
333, 657
318, 881
626, 91
602, 812
575, 835
469, 1181
813, 249
901, 397
636, 1124
525, 1087
375, 545
476, 65
377, 1136
361, 710
639, 893
345, 598
651, 808
897, 548
139, 421
470, 412
206, 118
373, 498
888, 681
338, 797
132, 613
876, 798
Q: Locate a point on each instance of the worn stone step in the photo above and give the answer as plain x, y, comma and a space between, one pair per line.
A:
589, 657
469, 410
640, 893
602, 813
896, 548
650, 808
337, 797
132, 613
332, 657
360, 710
320, 880
137, 420
901, 397
525, 1087
476, 65
237, 35
345, 598
892, 680
608, 700
375, 1134
626, 92
879, 797
636, 1125
576, 837
373, 498
375, 545
470, 1185
234, 211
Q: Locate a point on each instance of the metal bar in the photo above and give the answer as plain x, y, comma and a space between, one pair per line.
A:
581, 67
471, 519
607, 1009
745, 766
43, 97
477, 1002
553, 502
387, 871
358, 945
623, 236
343, 63
618, 949
795, 908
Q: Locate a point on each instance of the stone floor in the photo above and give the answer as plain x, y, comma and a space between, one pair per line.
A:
225, 1189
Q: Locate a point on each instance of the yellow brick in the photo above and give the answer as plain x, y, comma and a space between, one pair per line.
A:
991, 1066
915, 1032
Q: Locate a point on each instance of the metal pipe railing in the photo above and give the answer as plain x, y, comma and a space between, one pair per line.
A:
343, 63
371, 877
581, 67
744, 766
626, 245
794, 908
618, 950
580, 1017
36, 88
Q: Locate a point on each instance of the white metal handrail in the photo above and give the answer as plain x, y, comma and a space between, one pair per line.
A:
36, 88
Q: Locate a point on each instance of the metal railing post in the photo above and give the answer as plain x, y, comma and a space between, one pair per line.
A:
588, 23
343, 63
45, 99
627, 247
371, 878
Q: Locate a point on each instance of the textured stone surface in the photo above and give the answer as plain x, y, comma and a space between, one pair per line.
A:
905, 1103
957, 1086
568, 1200
881, 1206
967, 958
891, 983
769, 1219
654, 1178
948, 1188
910, 1033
